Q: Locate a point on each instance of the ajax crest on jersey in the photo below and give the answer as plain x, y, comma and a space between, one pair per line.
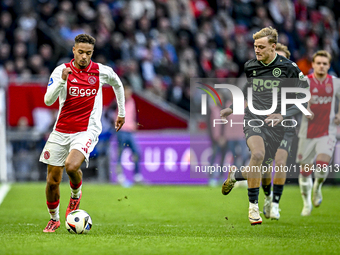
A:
78, 222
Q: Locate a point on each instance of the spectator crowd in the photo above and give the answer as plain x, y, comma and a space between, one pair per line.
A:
158, 45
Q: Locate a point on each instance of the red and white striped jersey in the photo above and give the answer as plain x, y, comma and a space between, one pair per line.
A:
322, 104
80, 97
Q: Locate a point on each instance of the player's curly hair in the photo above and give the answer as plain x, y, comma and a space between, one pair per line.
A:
269, 32
84, 38
322, 53
283, 48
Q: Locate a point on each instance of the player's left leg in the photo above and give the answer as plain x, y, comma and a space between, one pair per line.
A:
267, 186
72, 166
321, 173
279, 182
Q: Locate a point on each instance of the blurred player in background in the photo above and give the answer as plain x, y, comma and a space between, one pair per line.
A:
272, 199
126, 139
263, 141
78, 85
318, 132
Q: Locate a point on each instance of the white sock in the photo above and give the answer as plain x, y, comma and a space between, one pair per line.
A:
306, 184
75, 193
321, 174
54, 213
252, 205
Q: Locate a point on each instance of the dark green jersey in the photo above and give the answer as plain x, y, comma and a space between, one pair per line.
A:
262, 78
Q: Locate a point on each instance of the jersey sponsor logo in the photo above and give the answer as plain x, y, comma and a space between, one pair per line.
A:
47, 155
277, 72
321, 100
74, 80
75, 91
260, 84
50, 82
92, 80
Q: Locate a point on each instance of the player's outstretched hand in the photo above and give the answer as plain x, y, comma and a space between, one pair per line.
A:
65, 73
273, 119
337, 119
225, 113
119, 123
311, 117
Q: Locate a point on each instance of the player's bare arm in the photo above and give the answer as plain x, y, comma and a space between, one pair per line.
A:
225, 112
119, 123
65, 73
310, 117
337, 116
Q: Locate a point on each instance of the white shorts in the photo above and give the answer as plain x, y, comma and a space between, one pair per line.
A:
59, 145
309, 148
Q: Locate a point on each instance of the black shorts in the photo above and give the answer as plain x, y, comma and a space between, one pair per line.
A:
289, 135
272, 138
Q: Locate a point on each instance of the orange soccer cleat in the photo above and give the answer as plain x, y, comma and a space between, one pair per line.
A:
73, 205
52, 225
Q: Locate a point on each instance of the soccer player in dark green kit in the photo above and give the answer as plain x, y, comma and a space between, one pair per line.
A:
268, 71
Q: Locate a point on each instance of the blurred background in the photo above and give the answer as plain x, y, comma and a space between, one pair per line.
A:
155, 47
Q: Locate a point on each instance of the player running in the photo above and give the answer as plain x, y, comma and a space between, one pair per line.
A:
78, 85
267, 71
272, 199
318, 133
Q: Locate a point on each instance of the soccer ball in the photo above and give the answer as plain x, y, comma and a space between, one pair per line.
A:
78, 222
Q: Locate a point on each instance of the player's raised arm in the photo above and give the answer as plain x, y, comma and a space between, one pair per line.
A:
56, 82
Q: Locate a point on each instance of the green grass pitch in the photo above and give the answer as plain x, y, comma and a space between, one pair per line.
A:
168, 220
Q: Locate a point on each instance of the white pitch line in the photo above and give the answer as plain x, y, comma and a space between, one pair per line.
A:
3, 191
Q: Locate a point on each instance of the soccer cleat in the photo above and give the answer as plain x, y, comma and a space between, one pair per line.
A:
73, 205
254, 214
274, 211
52, 225
307, 209
266, 206
317, 195
229, 183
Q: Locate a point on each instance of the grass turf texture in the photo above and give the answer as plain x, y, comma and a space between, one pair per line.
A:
168, 220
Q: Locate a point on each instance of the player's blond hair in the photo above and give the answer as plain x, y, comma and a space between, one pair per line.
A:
269, 32
283, 48
322, 53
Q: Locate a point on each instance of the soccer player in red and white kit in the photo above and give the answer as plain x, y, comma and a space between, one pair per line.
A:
318, 132
78, 85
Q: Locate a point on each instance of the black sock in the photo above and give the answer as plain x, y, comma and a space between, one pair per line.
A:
253, 194
267, 189
239, 176
277, 193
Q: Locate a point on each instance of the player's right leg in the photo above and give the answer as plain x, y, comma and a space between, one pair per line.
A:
54, 176
54, 155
